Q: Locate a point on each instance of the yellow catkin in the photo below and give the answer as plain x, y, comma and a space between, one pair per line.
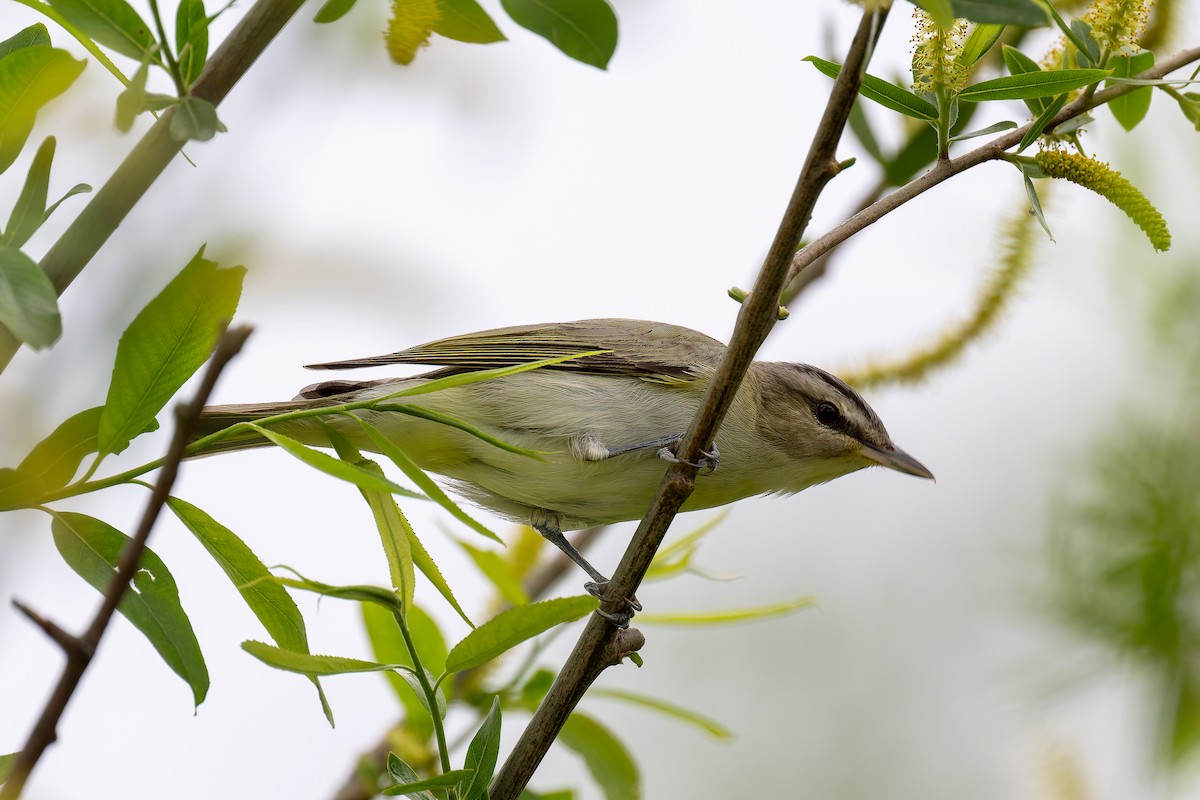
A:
1018, 241
1118, 24
409, 27
1108, 183
935, 63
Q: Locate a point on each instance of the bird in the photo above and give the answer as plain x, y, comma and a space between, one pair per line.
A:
602, 423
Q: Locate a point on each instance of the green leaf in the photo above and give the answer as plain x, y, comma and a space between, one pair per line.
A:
466, 21
941, 11
387, 646
112, 23
1020, 13
79, 188
363, 479
93, 548
29, 79
1035, 206
509, 628
308, 664
333, 10
454, 422
1031, 85
860, 126
1090, 55
1130, 109
706, 724
886, 94
429, 569
980, 41
482, 754
1038, 126
28, 302
401, 773
56, 459
1018, 64
6, 762
1071, 34
35, 35
497, 570
1006, 125
195, 120
418, 787
422, 480
606, 758
410, 678
730, 615
132, 101
165, 344
585, 30
30, 208
191, 39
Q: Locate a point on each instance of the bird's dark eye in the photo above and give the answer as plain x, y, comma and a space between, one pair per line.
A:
828, 414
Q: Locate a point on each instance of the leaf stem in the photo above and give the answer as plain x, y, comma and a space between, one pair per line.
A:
172, 64
430, 693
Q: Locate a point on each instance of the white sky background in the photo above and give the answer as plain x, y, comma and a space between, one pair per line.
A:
378, 207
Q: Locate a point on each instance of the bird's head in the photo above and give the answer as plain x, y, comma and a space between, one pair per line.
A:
823, 425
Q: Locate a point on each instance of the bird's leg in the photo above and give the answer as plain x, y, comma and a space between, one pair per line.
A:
547, 525
589, 448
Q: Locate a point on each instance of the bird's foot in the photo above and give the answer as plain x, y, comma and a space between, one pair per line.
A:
709, 460
620, 618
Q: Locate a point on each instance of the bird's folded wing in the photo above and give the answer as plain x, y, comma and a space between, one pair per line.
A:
648, 350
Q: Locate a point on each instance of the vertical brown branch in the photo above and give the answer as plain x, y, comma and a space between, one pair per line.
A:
79, 650
601, 644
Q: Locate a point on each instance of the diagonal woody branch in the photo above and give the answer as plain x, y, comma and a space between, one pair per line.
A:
600, 644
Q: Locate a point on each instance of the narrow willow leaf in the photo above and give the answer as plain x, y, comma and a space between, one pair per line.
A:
361, 593
606, 758
680, 551
1019, 64
165, 344
422, 480
1130, 109
1019, 13
1035, 206
1038, 126
706, 724
1073, 35
1031, 85
35, 35
196, 120
28, 302
388, 647
730, 615
983, 38
482, 754
860, 126
326, 463
481, 375
394, 534
497, 570
132, 101
466, 21
333, 10
191, 39
79, 188
429, 569
414, 683
30, 208
30, 78
112, 23
454, 422
509, 628
1006, 125
401, 773
886, 94
93, 548
1090, 55
308, 664
56, 459
452, 778
585, 30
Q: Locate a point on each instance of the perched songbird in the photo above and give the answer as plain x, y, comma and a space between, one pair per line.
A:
604, 422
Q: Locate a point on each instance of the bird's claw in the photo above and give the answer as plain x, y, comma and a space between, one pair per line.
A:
618, 618
707, 461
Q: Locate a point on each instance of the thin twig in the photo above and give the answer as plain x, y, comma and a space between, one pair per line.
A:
108, 207
602, 645
993, 150
79, 650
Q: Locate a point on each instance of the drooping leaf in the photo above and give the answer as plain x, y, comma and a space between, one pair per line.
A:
706, 724
29, 78
93, 548
1035, 206
509, 628
482, 754
35, 35
606, 758
466, 21
1131, 108
728, 615
885, 93
30, 208
191, 39
585, 30
1032, 84
28, 302
112, 23
195, 119
429, 569
165, 344
1019, 13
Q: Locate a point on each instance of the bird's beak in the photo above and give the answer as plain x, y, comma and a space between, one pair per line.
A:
898, 460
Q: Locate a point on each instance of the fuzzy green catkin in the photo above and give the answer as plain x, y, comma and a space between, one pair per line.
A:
935, 63
1118, 24
1019, 241
1108, 183
409, 27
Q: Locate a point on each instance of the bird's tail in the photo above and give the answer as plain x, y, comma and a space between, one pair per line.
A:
218, 418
